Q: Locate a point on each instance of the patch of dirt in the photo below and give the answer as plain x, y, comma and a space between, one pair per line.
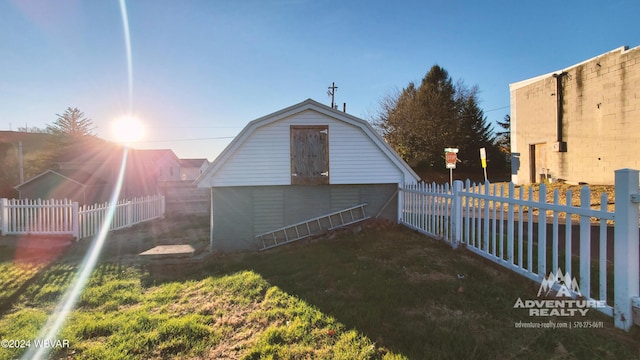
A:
125, 245
426, 277
497, 272
243, 333
439, 313
420, 252
241, 328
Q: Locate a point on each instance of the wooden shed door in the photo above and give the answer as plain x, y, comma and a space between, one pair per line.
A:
310, 155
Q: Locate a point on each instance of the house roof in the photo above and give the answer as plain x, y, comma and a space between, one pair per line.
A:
77, 176
192, 163
153, 155
99, 151
308, 104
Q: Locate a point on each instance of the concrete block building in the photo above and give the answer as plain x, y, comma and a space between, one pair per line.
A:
578, 124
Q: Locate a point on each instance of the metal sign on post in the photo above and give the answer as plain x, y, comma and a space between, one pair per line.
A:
451, 158
483, 159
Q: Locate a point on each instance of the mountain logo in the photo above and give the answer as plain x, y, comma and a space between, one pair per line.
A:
566, 285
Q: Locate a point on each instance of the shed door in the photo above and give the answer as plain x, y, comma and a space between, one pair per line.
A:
310, 155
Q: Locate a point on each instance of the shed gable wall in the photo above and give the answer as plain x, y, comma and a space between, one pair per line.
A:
264, 157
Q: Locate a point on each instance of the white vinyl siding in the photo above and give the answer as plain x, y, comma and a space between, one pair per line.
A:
355, 159
264, 156
263, 159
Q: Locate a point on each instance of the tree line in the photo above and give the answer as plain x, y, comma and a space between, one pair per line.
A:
420, 121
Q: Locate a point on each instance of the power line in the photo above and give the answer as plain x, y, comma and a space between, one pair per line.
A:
496, 109
191, 139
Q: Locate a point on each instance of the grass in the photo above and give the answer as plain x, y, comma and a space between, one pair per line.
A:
13, 276
374, 294
574, 269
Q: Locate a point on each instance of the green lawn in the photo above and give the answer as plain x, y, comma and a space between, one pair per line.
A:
377, 293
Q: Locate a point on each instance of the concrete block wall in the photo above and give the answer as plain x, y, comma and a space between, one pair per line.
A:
601, 119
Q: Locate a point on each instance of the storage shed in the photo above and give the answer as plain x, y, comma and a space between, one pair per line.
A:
300, 163
76, 185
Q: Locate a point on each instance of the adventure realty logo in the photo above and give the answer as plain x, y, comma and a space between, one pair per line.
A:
568, 301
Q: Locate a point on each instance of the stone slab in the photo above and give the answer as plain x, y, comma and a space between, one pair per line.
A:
161, 251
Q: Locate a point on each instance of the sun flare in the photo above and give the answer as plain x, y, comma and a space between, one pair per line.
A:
127, 129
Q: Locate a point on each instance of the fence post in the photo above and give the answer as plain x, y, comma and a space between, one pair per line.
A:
510, 226
163, 205
456, 214
585, 242
129, 210
486, 220
4, 216
625, 253
542, 232
75, 220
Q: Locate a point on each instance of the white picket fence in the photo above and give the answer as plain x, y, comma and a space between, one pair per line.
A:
63, 217
501, 227
127, 213
24, 216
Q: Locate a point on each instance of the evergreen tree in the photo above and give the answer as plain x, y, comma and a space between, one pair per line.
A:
504, 137
473, 133
419, 123
71, 131
72, 124
438, 115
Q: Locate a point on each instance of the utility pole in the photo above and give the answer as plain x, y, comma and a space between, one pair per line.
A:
332, 92
20, 162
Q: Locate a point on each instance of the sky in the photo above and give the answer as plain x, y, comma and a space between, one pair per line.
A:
201, 70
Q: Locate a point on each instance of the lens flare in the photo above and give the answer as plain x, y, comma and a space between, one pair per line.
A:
127, 130
70, 297
127, 42
68, 301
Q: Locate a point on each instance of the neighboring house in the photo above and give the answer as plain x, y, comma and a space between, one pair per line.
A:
163, 162
578, 124
299, 163
78, 186
190, 169
97, 163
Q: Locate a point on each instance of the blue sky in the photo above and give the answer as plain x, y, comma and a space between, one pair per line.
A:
203, 69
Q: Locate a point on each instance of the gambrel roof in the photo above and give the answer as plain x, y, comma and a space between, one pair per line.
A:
384, 151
